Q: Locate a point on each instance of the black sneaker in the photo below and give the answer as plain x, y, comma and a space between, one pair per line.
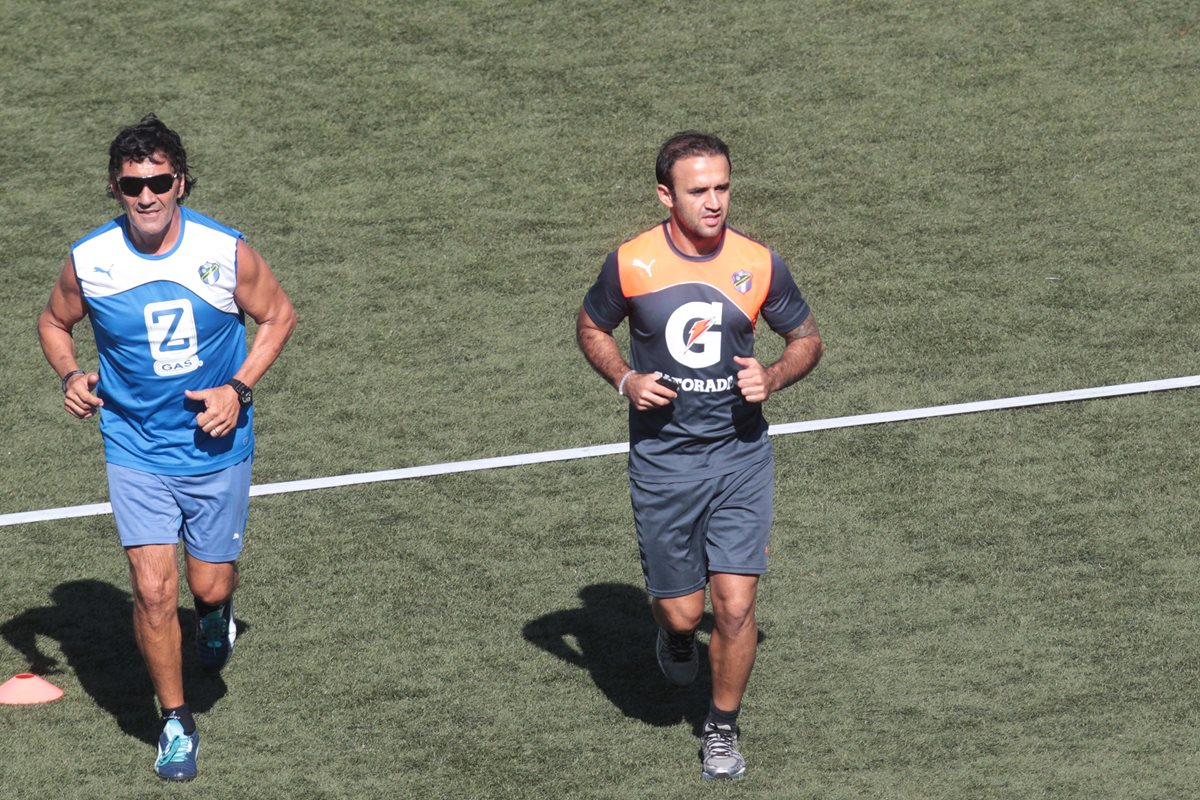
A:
678, 657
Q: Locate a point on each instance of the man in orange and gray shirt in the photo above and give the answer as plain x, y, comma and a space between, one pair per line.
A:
701, 466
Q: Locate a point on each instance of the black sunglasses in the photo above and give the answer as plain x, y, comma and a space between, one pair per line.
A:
159, 184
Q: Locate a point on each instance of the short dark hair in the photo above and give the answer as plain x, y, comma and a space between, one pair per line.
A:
686, 145
141, 141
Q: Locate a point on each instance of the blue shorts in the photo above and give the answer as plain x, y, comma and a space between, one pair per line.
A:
689, 529
207, 512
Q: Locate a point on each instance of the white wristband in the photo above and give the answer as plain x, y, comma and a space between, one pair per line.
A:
621, 385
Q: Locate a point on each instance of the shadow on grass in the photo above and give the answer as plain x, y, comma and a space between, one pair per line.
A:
92, 622
612, 636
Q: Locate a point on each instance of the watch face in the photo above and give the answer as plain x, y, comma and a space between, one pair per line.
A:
245, 393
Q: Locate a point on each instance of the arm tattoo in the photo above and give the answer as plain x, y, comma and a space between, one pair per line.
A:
802, 351
806, 328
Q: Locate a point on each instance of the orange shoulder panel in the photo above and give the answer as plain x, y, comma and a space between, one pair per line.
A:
741, 272
647, 264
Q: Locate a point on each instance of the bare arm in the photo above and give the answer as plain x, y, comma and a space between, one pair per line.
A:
55, 324
601, 351
259, 294
802, 351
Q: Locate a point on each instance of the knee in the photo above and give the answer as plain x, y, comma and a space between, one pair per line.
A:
734, 617
156, 596
733, 600
678, 617
684, 622
212, 592
213, 585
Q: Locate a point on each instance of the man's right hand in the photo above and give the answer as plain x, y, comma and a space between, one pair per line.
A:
80, 399
645, 392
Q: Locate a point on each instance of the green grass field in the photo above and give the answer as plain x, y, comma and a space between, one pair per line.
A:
979, 200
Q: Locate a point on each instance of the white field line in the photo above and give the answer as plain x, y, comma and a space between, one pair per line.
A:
1072, 395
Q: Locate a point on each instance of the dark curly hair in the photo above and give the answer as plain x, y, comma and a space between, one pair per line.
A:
142, 141
686, 145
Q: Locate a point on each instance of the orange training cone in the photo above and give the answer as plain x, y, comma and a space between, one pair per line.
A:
25, 689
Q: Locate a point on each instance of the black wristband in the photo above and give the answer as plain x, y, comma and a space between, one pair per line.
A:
68, 377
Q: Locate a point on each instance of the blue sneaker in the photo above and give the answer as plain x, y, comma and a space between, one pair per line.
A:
176, 753
215, 634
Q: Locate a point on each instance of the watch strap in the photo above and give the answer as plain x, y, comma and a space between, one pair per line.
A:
245, 393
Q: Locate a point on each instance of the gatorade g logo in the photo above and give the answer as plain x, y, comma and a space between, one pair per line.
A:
694, 336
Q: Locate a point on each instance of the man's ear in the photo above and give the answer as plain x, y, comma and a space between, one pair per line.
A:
666, 196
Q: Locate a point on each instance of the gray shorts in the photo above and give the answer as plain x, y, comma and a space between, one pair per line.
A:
689, 529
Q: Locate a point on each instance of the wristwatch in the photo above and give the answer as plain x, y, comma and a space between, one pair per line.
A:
245, 393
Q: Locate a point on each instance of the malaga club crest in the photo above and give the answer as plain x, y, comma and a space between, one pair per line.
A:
210, 273
741, 281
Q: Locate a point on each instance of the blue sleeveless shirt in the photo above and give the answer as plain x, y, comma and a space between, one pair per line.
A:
164, 324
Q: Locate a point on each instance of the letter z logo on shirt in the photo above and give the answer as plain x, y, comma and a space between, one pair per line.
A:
171, 333
693, 337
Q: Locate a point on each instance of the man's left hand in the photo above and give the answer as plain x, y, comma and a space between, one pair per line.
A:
221, 409
752, 379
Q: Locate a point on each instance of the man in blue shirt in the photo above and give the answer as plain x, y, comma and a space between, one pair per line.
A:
167, 290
